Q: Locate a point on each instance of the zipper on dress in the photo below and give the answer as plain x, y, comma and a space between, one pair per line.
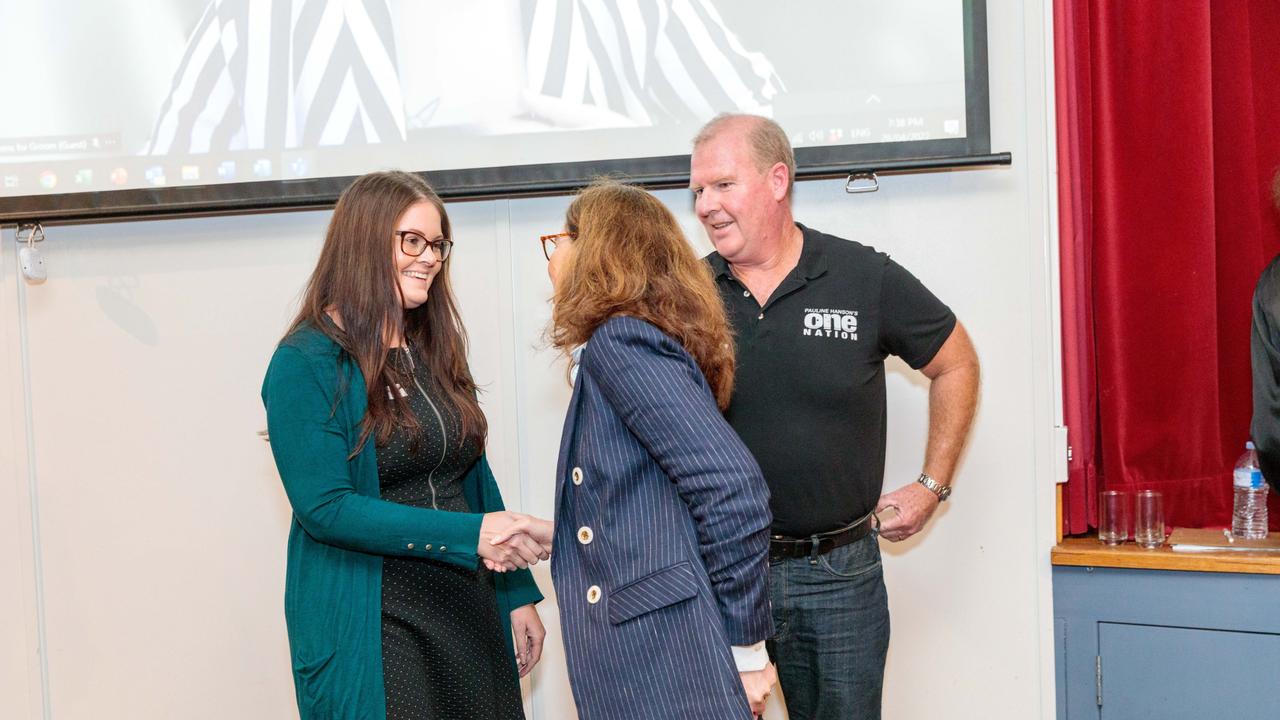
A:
444, 442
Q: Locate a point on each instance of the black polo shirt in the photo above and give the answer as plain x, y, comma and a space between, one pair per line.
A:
809, 392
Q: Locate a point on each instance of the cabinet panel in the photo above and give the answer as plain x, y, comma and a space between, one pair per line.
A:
1060, 667
1158, 672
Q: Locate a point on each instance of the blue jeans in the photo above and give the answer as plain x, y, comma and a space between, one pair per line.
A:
831, 614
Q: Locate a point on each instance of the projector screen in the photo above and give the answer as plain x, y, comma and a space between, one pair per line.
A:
135, 107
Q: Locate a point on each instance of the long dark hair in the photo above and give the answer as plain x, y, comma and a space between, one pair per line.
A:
356, 278
631, 258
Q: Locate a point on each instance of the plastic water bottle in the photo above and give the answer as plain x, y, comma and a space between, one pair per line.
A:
1249, 517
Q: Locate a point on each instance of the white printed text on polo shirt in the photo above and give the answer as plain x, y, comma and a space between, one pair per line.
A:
831, 322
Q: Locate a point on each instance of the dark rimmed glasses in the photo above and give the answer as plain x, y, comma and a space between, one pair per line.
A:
549, 242
414, 244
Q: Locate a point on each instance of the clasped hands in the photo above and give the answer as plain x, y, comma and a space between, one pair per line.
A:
511, 540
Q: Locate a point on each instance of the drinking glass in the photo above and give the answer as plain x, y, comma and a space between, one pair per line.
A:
1148, 519
1113, 517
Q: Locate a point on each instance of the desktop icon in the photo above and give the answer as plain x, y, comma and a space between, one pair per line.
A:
155, 175
262, 167
48, 180
84, 176
10, 181
119, 176
227, 170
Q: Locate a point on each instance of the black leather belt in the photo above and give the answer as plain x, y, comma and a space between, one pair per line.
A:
782, 547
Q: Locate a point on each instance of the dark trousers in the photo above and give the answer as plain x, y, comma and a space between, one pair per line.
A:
831, 614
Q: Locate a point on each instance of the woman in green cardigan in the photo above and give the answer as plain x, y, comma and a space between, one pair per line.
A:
379, 441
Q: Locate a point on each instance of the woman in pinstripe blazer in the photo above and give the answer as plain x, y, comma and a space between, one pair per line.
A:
662, 515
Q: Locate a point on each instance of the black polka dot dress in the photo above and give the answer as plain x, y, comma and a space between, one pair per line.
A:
443, 655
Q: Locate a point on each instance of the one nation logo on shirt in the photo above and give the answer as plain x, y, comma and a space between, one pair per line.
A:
831, 322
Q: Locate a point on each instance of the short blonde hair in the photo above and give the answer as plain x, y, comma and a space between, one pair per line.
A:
767, 140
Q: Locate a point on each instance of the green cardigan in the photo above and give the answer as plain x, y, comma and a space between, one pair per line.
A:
315, 400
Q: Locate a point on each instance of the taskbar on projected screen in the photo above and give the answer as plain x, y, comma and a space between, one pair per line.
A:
904, 119
152, 172
96, 173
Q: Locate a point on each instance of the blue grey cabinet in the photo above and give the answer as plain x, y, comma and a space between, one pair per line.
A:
1162, 644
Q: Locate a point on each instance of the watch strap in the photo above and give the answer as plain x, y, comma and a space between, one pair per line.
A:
942, 491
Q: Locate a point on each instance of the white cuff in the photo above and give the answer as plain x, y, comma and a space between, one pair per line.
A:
750, 658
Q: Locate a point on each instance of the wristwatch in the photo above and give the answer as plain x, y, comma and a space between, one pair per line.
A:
942, 491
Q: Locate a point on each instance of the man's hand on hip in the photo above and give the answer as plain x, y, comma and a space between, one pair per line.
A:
915, 504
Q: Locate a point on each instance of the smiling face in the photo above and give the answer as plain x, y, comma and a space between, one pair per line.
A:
417, 273
738, 203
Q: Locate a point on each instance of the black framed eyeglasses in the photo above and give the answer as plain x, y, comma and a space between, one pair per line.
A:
549, 242
414, 244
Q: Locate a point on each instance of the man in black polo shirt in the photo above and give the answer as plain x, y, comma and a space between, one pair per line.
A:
815, 316
1265, 355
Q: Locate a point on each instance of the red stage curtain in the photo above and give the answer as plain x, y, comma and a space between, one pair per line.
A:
1168, 138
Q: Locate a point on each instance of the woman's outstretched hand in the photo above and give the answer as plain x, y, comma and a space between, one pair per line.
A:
510, 540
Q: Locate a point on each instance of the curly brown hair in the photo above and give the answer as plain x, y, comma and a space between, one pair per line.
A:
631, 258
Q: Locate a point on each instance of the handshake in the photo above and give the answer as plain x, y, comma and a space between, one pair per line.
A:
511, 540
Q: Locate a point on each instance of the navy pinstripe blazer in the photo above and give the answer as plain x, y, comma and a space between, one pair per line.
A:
661, 538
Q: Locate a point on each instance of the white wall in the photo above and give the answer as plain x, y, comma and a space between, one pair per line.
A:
142, 526
20, 673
